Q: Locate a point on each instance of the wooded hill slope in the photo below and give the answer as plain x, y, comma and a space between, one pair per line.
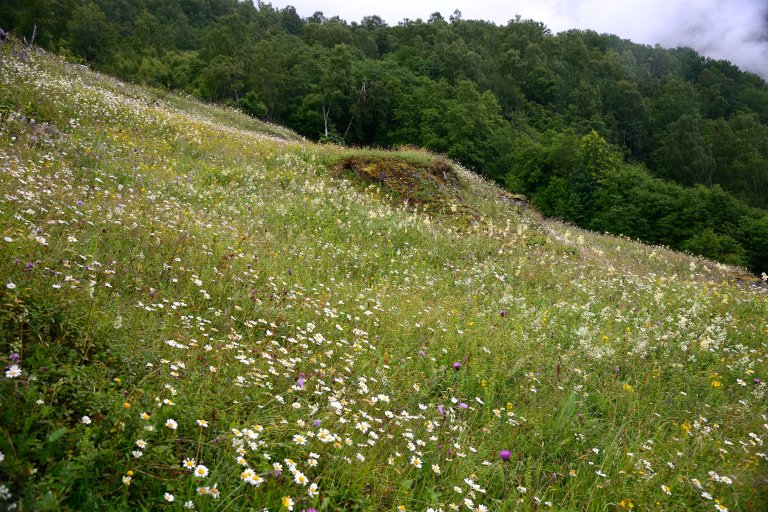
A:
582, 123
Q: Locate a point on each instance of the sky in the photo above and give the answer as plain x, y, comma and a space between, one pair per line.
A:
736, 30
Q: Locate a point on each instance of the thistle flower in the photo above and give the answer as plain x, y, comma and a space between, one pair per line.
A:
505, 455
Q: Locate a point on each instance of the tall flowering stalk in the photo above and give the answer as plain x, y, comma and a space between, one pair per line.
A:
505, 456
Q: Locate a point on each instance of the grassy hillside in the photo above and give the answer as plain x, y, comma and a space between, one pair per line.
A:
202, 311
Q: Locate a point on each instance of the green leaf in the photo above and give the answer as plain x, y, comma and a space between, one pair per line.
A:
56, 434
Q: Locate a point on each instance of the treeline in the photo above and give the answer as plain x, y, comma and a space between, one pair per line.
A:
664, 145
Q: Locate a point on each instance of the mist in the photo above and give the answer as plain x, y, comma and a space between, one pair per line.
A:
734, 30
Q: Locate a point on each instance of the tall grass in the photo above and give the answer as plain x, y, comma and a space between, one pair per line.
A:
206, 315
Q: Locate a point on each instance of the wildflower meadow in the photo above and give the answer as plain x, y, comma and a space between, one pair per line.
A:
202, 311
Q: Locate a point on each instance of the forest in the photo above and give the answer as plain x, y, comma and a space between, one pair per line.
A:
662, 145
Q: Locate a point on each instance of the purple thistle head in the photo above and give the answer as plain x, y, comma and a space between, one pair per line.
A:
503, 313
317, 423
311, 509
79, 203
505, 455
456, 365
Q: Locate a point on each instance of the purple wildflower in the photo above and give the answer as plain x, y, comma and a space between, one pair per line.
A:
456, 365
505, 455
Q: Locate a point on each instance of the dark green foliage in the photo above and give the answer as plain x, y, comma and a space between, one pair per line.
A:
719, 247
753, 234
89, 34
512, 102
222, 79
69, 350
251, 105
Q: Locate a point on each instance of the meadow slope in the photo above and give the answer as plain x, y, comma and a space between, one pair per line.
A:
202, 311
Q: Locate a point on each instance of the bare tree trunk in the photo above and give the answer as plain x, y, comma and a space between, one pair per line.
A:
34, 33
349, 125
326, 113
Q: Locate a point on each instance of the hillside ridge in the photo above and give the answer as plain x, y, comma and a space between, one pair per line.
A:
202, 311
663, 145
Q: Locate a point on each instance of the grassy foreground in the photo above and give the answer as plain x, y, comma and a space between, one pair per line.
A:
201, 311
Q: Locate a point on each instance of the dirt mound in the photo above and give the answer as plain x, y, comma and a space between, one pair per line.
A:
432, 184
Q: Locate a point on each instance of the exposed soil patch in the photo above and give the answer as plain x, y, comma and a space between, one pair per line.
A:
432, 184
